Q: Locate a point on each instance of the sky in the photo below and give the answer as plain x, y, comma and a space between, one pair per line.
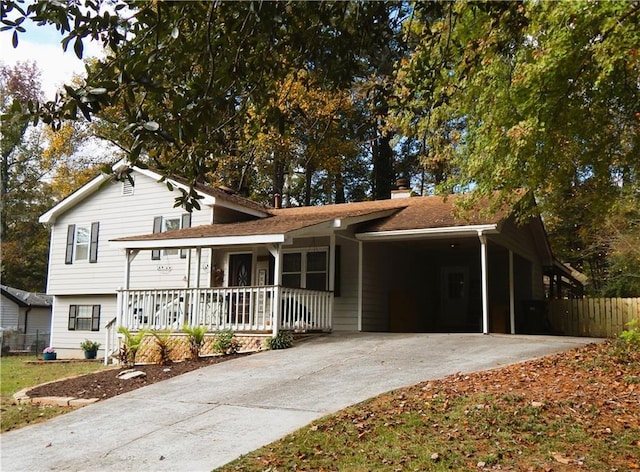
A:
41, 44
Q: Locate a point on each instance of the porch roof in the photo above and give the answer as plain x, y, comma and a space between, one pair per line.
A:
381, 216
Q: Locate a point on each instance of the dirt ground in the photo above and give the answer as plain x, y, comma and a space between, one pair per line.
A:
106, 384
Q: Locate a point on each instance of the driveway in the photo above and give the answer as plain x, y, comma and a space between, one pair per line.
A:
208, 417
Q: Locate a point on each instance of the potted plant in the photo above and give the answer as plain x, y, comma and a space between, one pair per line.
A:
90, 348
49, 354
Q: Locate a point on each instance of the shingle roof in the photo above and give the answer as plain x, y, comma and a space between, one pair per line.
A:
385, 215
25, 298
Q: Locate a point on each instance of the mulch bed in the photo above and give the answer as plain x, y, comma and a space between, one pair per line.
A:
106, 384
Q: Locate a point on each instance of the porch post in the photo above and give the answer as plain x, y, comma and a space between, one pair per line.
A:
512, 295
199, 261
332, 261
360, 275
277, 268
485, 283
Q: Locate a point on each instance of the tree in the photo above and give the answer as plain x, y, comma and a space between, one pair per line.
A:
19, 86
536, 95
185, 74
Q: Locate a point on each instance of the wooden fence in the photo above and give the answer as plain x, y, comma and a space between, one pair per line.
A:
594, 317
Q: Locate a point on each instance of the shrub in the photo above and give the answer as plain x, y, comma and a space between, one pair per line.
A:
130, 345
164, 345
226, 343
195, 335
632, 335
282, 340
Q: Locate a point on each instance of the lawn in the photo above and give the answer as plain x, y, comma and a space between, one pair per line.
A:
578, 410
16, 374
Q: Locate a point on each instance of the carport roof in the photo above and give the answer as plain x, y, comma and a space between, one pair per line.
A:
375, 216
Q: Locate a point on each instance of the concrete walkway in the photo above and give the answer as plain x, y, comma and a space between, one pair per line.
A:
208, 417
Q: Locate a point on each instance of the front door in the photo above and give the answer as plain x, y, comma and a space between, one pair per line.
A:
454, 297
240, 276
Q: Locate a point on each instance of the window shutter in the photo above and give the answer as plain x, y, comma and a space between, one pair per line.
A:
95, 318
157, 228
73, 314
93, 250
186, 223
71, 233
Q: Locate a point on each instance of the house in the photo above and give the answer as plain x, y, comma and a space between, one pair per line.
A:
85, 271
404, 264
25, 319
123, 256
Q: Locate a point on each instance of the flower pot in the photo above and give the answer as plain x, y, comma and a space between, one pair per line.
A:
90, 354
49, 356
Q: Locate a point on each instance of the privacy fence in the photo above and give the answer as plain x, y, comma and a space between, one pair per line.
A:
594, 317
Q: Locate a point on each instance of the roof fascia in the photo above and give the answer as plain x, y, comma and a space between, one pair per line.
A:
13, 298
184, 243
72, 200
421, 233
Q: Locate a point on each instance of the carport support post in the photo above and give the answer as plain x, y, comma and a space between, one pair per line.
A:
512, 295
485, 283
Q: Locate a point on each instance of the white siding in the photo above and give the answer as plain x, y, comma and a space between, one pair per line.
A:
8, 313
345, 307
67, 343
120, 215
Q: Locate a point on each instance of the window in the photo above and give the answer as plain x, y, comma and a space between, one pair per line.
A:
305, 269
162, 224
82, 243
169, 224
81, 249
84, 318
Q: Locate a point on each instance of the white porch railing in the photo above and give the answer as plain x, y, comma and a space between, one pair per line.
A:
237, 308
111, 345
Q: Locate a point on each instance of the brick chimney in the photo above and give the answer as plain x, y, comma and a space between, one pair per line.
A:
403, 190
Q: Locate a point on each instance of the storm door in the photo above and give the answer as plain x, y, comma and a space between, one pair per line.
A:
240, 276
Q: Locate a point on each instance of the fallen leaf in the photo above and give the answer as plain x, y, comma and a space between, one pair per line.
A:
561, 458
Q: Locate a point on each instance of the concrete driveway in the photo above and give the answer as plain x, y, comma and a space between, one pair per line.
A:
206, 418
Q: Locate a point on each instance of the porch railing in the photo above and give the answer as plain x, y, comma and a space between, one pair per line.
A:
237, 308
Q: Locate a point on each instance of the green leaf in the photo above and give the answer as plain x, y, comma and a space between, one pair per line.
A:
78, 47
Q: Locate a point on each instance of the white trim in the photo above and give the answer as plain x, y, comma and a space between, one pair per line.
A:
186, 243
485, 283
50, 216
83, 192
512, 295
471, 230
360, 284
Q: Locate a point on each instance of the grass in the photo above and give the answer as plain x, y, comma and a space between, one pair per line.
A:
16, 374
573, 411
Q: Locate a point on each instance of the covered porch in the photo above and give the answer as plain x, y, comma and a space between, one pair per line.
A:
252, 309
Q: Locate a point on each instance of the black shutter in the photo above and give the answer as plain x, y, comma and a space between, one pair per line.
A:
71, 233
95, 318
186, 223
157, 228
73, 314
93, 249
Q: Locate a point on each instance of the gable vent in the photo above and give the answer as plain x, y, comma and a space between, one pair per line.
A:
127, 187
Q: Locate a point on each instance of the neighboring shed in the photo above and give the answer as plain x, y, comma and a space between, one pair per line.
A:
27, 316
